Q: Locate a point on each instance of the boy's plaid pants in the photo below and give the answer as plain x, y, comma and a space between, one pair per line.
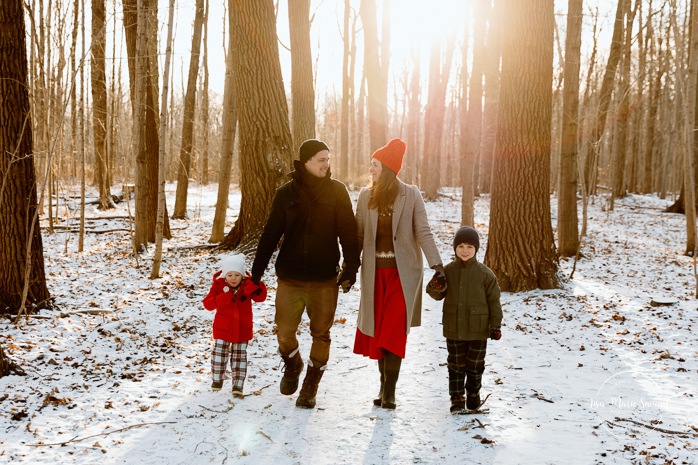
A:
237, 352
466, 363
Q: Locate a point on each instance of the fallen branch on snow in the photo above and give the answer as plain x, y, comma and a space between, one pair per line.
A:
635, 422
77, 439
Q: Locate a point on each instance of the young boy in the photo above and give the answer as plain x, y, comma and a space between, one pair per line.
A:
231, 296
471, 313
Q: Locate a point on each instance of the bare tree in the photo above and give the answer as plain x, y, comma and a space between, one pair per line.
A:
439, 72
375, 65
180, 209
471, 120
230, 121
22, 258
567, 223
521, 248
265, 136
302, 91
493, 53
160, 225
99, 102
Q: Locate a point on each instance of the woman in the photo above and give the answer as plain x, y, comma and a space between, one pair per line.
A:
393, 231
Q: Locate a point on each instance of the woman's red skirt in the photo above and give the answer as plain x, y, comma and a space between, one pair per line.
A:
390, 317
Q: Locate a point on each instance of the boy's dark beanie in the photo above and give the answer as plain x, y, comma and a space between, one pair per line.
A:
309, 148
467, 235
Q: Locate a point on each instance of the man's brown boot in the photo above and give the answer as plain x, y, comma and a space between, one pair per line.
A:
306, 398
293, 367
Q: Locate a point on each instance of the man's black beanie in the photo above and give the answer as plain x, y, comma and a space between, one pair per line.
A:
467, 235
309, 148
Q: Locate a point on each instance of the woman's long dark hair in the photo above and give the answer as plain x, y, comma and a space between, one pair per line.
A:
384, 191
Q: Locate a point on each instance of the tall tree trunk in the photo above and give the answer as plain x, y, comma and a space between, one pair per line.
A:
160, 225
690, 134
230, 121
302, 91
618, 185
180, 209
22, 259
347, 94
205, 117
265, 136
439, 71
567, 223
599, 123
412, 165
99, 102
489, 118
375, 55
471, 121
521, 248
147, 158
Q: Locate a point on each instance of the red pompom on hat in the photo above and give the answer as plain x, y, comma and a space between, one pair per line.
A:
391, 154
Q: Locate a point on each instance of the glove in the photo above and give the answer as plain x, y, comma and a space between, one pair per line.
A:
345, 280
216, 275
439, 269
255, 279
436, 287
496, 334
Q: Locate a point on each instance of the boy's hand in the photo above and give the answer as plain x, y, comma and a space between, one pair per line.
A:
496, 334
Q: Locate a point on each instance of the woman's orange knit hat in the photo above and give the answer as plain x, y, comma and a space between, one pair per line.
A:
391, 154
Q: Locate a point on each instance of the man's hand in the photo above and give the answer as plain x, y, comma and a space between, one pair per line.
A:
496, 334
345, 280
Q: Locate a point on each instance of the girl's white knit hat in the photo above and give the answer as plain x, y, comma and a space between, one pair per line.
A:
235, 262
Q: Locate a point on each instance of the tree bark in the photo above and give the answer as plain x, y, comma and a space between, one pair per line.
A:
302, 91
439, 72
599, 122
567, 222
483, 181
521, 249
471, 120
265, 136
22, 259
180, 209
99, 102
374, 62
229, 123
147, 157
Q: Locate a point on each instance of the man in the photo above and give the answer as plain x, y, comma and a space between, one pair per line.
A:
310, 213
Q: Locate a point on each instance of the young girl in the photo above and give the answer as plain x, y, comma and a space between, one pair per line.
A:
231, 296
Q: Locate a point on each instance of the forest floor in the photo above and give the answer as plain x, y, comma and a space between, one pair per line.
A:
589, 373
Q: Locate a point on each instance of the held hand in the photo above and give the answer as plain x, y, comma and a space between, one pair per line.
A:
217, 274
440, 274
496, 334
345, 280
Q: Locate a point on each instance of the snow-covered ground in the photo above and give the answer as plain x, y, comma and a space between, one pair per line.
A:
591, 373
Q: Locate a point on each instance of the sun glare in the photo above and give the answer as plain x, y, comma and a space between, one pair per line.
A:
419, 21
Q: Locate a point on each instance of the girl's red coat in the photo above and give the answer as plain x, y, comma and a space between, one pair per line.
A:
233, 320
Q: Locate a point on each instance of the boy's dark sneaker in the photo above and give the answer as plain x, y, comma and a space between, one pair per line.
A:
473, 400
237, 393
216, 385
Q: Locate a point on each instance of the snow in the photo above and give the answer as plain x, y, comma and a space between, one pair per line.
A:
591, 373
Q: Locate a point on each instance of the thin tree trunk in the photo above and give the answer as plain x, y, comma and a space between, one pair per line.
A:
160, 225
230, 120
374, 56
180, 209
691, 138
302, 91
205, 104
487, 138
568, 239
471, 121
